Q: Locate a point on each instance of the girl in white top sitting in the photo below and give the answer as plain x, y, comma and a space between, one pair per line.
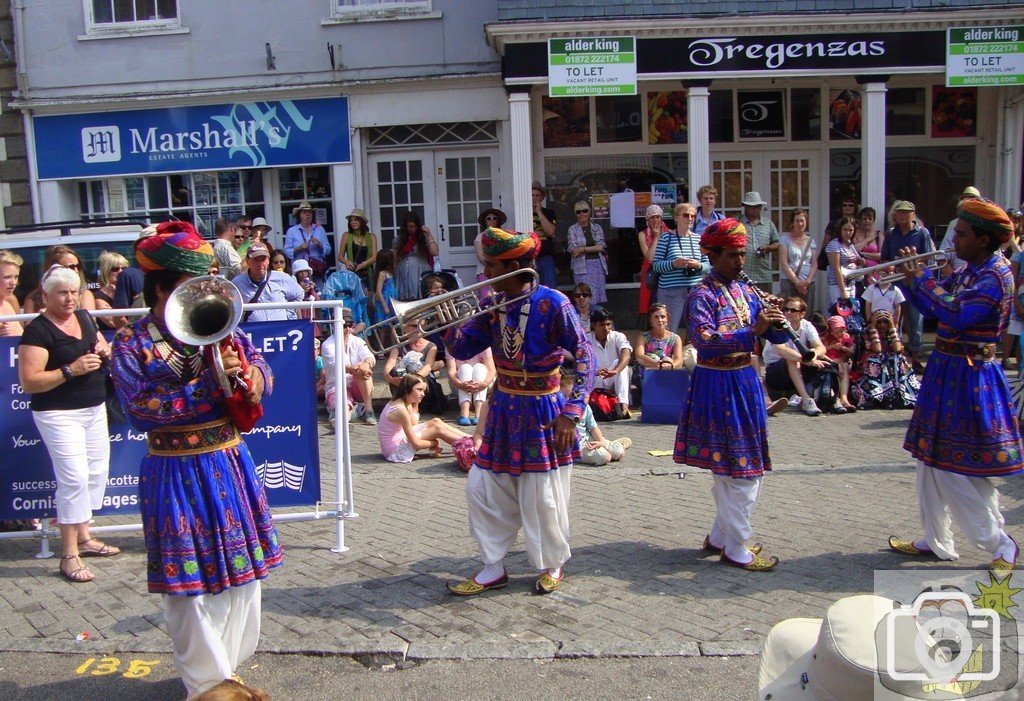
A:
400, 431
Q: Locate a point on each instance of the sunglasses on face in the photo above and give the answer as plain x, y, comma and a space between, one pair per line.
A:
116, 269
73, 266
348, 324
245, 226
582, 295
278, 262
688, 215
795, 310
582, 211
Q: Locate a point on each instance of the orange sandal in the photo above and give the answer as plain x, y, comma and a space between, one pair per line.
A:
81, 575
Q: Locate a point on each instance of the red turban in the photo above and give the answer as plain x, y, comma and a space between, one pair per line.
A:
175, 246
724, 233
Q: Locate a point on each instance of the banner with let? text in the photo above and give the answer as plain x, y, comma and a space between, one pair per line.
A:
284, 444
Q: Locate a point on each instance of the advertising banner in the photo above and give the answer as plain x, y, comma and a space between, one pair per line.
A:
592, 66
984, 56
201, 137
284, 444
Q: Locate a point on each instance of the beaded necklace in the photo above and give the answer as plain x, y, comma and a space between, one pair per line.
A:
740, 306
512, 336
189, 358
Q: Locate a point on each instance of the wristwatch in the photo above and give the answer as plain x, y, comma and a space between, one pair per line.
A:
65, 370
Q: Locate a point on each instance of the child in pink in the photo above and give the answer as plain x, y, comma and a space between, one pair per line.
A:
839, 349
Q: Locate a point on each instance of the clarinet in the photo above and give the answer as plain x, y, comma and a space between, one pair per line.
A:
806, 354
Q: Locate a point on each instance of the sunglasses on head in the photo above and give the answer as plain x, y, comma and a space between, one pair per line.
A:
582, 211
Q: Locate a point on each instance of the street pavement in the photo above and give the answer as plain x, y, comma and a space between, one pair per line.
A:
638, 585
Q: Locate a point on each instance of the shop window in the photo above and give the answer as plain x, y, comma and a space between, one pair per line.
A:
594, 179
130, 15
312, 184
805, 114
199, 198
618, 119
667, 117
954, 112
566, 121
720, 117
762, 114
904, 111
844, 114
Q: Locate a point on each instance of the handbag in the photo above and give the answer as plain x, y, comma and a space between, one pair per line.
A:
652, 278
604, 404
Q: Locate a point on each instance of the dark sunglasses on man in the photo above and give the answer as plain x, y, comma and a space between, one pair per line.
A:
582, 211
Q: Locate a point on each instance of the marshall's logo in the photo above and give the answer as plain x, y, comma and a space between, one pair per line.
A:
101, 144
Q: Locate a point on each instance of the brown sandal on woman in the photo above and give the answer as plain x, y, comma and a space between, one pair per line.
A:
81, 575
98, 549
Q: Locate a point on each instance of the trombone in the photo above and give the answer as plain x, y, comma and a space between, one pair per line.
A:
934, 260
436, 314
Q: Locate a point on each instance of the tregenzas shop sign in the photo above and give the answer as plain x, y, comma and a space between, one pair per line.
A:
256, 134
806, 53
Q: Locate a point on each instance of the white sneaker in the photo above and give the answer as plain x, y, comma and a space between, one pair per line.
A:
809, 407
358, 409
794, 401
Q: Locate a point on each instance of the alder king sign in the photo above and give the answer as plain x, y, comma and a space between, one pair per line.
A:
585, 66
984, 56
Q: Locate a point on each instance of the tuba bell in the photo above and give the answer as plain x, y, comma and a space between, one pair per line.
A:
204, 311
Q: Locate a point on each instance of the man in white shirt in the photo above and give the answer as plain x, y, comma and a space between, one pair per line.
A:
611, 355
228, 260
359, 362
784, 370
261, 285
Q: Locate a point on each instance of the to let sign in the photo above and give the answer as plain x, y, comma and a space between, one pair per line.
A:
585, 66
985, 56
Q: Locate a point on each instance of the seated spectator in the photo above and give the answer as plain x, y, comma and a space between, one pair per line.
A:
415, 358
471, 378
400, 431
659, 348
839, 348
279, 262
111, 265
581, 296
887, 376
883, 297
784, 370
435, 287
346, 285
595, 449
319, 374
611, 358
359, 362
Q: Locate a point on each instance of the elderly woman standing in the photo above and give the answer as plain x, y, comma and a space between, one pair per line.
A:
587, 246
59, 362
111, 265
10, 270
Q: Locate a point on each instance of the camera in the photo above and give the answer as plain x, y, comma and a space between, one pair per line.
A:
942, 636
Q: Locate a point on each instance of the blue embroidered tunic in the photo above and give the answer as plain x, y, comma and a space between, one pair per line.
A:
723, 424
205, 517
515, 438
965, 420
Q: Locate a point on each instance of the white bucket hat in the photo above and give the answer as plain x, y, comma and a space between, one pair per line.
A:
299, 265
753, 199
842, 657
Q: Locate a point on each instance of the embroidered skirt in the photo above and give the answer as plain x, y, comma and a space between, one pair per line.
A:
965, 420
514, 438
723, 424
206, 521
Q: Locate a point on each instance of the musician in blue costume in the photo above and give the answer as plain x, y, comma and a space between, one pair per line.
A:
520, 477
964, 429
723, 424
209, 534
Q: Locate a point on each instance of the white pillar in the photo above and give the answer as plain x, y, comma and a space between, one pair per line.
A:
1009, 153
872, 148
522, 161
699, 138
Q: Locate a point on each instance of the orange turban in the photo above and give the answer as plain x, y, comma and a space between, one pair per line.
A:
988, 216
509, 245
724, 233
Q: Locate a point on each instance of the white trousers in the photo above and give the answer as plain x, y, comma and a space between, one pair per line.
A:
618, 383
734, 503
476, 372
611, 450
972, 501
212, 634
500, 504
79, 446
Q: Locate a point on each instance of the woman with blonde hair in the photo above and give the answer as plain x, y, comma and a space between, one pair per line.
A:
10, 269
66, 258
588, 249
111, 265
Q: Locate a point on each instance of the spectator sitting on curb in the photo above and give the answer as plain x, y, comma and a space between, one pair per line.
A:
784, 370
611, 353
595, 449
359, 362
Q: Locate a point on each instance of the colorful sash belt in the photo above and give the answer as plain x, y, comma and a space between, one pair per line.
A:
193, 440
986, 352
529, 384
732, 361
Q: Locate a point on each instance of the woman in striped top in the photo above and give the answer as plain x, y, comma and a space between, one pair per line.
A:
680, 264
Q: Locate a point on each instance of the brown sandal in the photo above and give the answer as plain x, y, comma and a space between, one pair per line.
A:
103, 550
76, 576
